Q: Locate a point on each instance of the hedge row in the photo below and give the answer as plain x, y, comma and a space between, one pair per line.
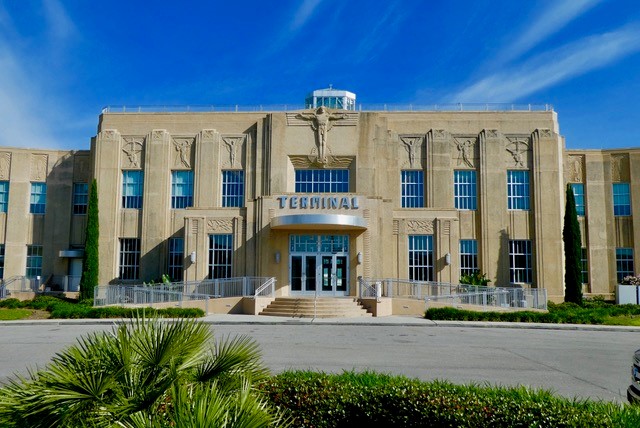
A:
65, 308
567, 313
370, 399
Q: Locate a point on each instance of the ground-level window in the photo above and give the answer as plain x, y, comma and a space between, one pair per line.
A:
585, 265
468, 256
176, 258
129, 258
624, 263
34, 261
520, 269
412, 189
322, 180
421, 257
220, 256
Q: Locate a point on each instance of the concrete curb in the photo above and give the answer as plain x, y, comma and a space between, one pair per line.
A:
365, 322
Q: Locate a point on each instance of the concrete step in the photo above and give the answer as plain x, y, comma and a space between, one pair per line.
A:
325, 307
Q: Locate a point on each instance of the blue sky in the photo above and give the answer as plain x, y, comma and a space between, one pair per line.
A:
62, 61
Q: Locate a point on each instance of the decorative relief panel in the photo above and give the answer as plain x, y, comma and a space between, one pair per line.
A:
220, 225
209, 134
194, 226
446, 227
321, 121
39, 167
310, 161
396, 227
413, 146
132, 151
518, 149
182, 158
5, 165
575, 169
234, 145
620, 167
466, 151
545, 133
157, 134
420, 226
491, 133
439, 134
109, 134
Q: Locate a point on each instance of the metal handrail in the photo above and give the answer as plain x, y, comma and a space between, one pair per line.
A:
269, 284
470, 107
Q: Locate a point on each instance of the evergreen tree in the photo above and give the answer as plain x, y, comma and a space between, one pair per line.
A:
90, 268
572, 251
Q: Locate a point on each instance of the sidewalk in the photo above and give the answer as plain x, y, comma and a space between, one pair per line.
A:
393, 320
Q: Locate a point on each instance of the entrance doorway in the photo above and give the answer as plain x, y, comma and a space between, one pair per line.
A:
319, 264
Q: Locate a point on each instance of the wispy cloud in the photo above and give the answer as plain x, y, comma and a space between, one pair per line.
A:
380, 35
303, 14
553, 67
30, 116
551, 20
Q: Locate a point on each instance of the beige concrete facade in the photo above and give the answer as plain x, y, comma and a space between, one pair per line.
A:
374, 147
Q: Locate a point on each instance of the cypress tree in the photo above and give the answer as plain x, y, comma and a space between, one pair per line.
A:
90, 267
572, 251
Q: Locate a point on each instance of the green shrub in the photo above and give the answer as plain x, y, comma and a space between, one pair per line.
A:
370, 399
10, 303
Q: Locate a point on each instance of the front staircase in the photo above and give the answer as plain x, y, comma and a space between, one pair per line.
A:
325, 307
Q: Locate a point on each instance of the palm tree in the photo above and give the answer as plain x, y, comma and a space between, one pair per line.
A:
144, 373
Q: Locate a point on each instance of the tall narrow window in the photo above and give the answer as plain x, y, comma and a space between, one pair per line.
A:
1, 260
468, 256
412, 189
465, 190
129, 258
322, 180
132, 185
578, 194
585, 265
232, 188
220, 256
624, 263
34, 261
181, 189
80, 198
520, 269
176, 258
621, 199
38, 200
421, 257
518, 190
4, 196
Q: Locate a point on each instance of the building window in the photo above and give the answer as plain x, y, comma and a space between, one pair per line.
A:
38, 199
518, 190
412, 189
584, 259
520, 269
464, 190
322, 180
129, 258
233, 188
181, 189
34, 261
621, 199
176, 258
578, 194
468, 256
624, 263
421, 257
4, 196
220, 256
80, 198
132, 185
1, 260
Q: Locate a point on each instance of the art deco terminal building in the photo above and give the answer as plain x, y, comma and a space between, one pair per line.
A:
318, 197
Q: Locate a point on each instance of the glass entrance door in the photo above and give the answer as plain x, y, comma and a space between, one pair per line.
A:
319, 264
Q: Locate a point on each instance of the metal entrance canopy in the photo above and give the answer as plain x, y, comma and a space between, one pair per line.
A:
318, 221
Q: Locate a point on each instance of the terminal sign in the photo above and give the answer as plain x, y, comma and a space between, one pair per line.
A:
319, 202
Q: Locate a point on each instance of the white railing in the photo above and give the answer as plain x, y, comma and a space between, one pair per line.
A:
517, 296
472, 107
182, 291
19, 283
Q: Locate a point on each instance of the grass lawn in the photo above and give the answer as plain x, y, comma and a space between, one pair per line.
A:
632, 320
14, 314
